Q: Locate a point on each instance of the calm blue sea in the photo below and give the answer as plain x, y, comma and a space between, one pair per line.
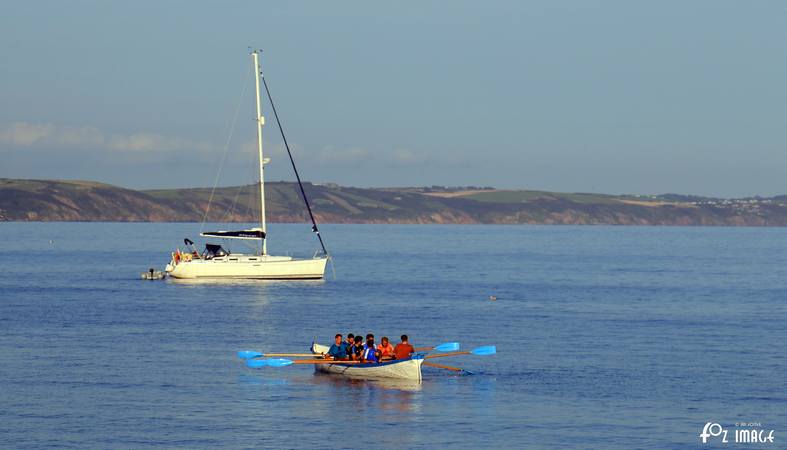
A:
608, 337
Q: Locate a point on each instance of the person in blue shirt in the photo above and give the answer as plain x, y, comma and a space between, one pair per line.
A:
338, 350
370, 353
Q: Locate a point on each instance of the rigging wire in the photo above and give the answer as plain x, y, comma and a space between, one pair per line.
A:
226, 150
292, 161
251, 198
231, 209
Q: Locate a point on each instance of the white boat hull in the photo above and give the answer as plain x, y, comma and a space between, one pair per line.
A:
217, 263
250, 267
406, 369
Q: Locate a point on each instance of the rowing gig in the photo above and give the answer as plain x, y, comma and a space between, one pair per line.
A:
405, 369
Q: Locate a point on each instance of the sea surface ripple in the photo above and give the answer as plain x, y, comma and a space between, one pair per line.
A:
607, 337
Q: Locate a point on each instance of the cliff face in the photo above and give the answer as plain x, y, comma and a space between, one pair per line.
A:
48, 200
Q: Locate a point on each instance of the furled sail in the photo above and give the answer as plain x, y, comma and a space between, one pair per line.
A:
254, 233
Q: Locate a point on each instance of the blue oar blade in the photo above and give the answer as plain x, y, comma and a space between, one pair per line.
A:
257, 363
278, 362
248, 354
485, 350
448, 347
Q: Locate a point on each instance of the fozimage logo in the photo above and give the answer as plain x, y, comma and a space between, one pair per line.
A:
744, 433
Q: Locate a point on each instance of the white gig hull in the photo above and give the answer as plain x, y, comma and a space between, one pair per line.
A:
250, 267
405, 369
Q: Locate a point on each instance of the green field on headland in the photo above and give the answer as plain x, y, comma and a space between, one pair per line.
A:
60, 200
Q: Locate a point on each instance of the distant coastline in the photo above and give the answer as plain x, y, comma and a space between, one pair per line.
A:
86, 201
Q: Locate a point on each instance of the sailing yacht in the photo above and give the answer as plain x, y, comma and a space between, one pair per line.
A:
216, 262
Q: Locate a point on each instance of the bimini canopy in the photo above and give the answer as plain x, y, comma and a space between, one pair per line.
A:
213, 250
254, 233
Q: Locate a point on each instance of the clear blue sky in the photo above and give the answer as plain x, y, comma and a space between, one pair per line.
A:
614, 96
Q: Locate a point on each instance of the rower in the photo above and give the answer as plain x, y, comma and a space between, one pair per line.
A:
350, 341
370, 353
403, 350
338, 350
386, 349
356, 350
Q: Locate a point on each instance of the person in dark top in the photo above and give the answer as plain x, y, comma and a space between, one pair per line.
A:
350, 341
357, 349
338, 350
403, 350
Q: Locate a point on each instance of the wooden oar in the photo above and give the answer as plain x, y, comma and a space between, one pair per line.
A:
324, 361
281, 362
480, 351
440, 366
447, 347
248, 354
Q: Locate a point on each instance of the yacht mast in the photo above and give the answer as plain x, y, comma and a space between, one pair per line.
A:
260, 122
